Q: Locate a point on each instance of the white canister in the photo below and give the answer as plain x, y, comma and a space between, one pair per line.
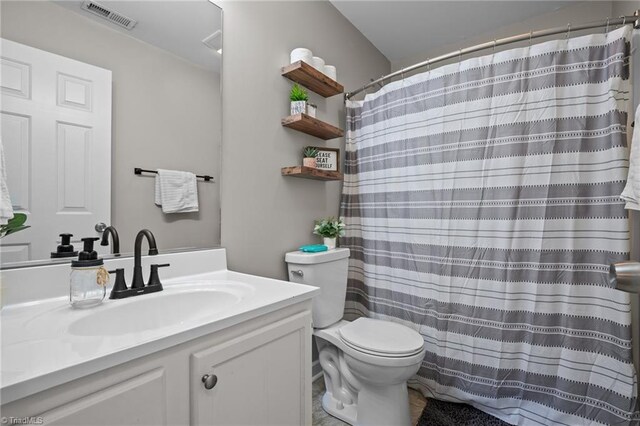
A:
330, 71
318, 63
301, 54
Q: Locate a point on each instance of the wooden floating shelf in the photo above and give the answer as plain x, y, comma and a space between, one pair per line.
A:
310, 173
312, 126
312, 79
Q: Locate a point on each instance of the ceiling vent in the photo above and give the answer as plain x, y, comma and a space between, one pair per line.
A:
108, 14
214, 41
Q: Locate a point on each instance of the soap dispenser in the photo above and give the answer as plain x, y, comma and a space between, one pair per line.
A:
65, 249
89, 278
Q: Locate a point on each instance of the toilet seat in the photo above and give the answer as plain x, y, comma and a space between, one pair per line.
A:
381, 338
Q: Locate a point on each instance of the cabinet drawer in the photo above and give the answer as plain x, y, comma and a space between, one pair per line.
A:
139, 400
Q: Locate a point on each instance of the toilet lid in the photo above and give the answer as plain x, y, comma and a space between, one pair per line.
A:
381, 337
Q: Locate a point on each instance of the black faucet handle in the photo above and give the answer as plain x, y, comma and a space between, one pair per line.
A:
154, 278
120, 284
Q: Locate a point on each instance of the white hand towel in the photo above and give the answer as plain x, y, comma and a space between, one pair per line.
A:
631, 192
6, 209
176, 192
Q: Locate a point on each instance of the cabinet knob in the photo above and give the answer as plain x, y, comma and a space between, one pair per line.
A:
209, 381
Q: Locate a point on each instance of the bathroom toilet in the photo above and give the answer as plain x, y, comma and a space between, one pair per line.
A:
366, 363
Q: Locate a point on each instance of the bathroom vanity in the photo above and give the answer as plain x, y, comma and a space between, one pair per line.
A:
214, 347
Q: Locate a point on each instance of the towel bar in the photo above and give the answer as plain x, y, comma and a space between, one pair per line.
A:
139, 171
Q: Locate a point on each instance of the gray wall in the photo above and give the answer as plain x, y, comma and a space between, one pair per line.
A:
166, 114
581, 12
620, 8
265, 214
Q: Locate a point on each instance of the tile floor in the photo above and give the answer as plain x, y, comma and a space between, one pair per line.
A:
321, 418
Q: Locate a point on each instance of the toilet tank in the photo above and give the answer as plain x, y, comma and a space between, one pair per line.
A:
327, 270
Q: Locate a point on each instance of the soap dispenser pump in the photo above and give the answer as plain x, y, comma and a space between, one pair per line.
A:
89, 278
65, 249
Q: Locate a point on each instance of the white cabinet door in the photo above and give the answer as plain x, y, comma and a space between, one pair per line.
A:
139, 400
263, 377
55, 123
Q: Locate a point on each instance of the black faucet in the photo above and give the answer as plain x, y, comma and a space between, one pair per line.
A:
120, 290
115, 240
138, 281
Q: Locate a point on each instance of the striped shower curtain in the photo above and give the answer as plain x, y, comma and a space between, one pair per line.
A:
482, 209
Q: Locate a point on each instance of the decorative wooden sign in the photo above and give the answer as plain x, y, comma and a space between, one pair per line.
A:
328, 159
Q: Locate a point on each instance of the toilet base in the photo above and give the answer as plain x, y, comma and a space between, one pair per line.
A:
347, 414
384, 406
378, 406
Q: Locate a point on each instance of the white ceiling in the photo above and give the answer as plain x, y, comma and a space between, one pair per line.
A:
402, 29
178, 26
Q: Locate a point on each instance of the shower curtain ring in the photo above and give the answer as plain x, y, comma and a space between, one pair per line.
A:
428, 64
530, 36
568, 30
494, 45
606, 29
460, 55
624, 20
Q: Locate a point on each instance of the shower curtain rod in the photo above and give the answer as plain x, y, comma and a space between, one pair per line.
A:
623, 20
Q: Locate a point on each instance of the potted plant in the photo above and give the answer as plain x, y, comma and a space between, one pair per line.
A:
17, 223
299, 98
310, 154
329, 228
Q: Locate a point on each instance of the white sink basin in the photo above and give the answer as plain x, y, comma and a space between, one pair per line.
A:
155, 311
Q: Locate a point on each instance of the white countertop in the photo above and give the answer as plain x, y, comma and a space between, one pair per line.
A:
46, 343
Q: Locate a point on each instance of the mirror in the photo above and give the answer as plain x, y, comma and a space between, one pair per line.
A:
92, 90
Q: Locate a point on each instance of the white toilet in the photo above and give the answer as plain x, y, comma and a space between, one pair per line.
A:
367, 362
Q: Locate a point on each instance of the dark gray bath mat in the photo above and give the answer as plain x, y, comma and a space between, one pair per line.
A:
442, 413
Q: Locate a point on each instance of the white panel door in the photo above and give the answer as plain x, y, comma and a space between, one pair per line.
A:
56, 132
263, 377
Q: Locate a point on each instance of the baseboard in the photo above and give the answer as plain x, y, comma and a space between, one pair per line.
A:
316, 370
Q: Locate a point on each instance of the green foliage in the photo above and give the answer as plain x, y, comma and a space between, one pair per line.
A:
329, 227
310, 152
298, 93
17, 223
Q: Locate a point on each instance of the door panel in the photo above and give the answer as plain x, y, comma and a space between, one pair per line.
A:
56, 131
17, 149
16, 78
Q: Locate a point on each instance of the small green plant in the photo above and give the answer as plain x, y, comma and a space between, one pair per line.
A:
17, 223
310, 152
298, 94
329, 227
